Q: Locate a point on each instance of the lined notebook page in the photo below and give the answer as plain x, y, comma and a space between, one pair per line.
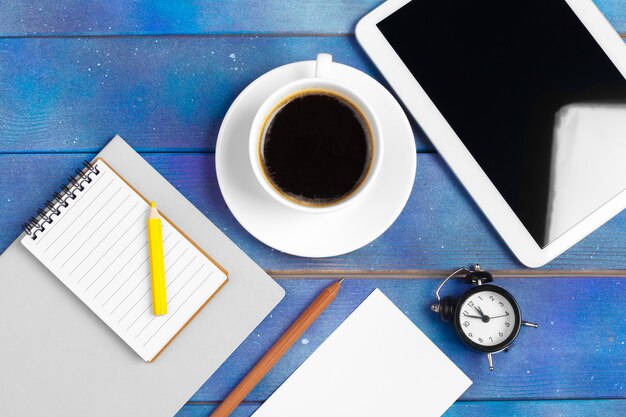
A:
98, 247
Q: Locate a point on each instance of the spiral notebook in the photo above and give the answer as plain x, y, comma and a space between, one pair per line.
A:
93, 237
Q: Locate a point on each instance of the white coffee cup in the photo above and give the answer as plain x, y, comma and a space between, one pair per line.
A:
322, 81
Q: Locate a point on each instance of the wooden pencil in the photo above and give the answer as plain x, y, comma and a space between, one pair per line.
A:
278, 350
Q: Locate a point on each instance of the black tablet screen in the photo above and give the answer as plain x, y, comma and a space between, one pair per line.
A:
514, 79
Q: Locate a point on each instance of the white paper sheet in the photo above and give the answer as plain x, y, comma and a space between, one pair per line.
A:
377, 363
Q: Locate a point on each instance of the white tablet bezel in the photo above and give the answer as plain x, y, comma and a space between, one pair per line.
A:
454, 152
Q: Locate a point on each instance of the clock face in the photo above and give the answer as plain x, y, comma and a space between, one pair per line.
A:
488, 318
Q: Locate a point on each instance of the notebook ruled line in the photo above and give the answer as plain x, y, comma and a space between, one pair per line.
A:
175, 311
127, 279
97, 228
102, 240
133, 290
140, 298
123, 235
177, 275
59, 219
131, 276
188, 281
115, 259
185, 284
63, 218
169, 301
138, 317
170, 249
121, 269
147, 292
145, 327
83, 228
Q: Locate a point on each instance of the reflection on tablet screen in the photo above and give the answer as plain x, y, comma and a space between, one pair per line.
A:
531, 95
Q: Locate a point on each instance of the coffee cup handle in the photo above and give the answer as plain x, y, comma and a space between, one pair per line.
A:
323, 65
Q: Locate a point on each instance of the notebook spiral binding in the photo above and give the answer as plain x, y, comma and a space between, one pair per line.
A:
45, 216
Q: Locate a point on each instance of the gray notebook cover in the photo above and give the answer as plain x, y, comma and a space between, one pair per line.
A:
57, 358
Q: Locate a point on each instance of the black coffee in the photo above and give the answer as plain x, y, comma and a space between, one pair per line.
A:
317, 148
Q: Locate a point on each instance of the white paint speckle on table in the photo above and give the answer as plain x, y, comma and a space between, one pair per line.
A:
305, 341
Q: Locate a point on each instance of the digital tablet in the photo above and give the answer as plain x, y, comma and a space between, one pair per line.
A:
526, 102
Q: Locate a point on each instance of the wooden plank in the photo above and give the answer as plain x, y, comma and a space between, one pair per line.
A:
119, 17
163, 93
577, 352
570, 408
115, 17
440, 229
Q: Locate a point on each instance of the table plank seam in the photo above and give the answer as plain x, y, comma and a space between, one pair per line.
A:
501, 400
199, 35
142, 152
189, 35
429, 274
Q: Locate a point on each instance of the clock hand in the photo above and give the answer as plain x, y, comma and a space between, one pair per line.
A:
495, 317
483, 316
480, 311
474, 317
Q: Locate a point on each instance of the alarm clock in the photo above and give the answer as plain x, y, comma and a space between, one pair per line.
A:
486, 317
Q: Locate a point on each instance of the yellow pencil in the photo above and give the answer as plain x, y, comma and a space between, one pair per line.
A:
157, 262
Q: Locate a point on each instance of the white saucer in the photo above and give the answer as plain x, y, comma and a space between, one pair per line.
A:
315, 235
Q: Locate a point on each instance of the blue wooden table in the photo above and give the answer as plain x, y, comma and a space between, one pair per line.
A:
162, 75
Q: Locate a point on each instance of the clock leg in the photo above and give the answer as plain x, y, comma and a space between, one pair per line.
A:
490, 360
529, 324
